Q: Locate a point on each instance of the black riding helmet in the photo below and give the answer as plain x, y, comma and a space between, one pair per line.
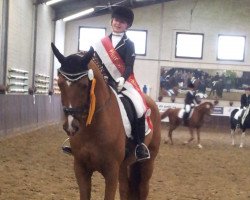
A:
123, 13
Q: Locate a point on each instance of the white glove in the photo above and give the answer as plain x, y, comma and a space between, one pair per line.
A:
120, 82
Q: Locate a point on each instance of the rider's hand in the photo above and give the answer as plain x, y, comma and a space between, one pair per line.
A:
120, 82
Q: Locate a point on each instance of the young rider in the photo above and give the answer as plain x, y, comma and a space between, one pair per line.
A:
189, 101
117, 54
244, 103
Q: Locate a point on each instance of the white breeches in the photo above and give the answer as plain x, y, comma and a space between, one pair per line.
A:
187, 108
136, 98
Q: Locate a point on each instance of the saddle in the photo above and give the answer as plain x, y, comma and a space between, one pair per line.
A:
128, 114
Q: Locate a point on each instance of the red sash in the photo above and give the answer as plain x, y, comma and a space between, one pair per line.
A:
120, 65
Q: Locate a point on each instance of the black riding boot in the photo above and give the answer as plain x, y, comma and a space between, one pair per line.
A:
141, 150
185, 119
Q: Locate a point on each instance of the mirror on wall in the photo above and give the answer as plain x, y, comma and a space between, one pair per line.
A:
224, 85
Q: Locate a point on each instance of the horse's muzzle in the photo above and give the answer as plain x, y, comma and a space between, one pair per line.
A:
71, 126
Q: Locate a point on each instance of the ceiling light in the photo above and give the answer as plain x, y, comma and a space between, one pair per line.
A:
52, 2
80, 14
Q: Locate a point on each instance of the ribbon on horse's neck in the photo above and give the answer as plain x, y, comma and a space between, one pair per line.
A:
92, 102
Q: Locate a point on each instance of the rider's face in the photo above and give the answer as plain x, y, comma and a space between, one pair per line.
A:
118, 25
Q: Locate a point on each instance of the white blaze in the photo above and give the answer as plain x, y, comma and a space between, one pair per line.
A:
70, 120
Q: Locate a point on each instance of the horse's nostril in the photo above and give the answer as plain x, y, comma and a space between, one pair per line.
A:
75, 125
65, 127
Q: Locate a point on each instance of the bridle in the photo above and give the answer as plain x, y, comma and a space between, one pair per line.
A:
83, 110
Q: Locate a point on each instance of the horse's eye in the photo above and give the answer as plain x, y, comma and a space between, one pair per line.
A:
84, 86
60, 82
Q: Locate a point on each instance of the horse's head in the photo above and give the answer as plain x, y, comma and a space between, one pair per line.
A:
207, 107
74, 81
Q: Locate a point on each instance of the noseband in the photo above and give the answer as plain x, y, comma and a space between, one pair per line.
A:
74, 111
73, 78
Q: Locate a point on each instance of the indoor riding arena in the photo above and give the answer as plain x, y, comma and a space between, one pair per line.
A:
176, 41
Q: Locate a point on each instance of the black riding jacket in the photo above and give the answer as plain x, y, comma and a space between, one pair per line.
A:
190, 98
245, 100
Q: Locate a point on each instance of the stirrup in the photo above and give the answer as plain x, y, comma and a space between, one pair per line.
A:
142, 154
66, 149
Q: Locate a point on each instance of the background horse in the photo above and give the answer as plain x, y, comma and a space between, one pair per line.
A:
242, 127
97, 136
194, 122
217, 88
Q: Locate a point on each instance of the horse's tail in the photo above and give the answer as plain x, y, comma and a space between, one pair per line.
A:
165, 114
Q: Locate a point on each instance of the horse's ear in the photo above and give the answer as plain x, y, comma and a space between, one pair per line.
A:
57, 53
88, 56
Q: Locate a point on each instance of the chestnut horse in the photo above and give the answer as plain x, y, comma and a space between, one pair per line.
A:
96, 132
194, 122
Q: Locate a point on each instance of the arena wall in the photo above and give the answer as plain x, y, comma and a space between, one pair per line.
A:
31, 29
162, 21
23, 113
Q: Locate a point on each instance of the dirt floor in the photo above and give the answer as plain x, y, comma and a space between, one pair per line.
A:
34, 168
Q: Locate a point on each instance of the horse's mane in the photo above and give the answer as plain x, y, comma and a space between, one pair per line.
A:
203, 105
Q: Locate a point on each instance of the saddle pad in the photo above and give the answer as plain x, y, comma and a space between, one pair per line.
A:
125, 120
181, 113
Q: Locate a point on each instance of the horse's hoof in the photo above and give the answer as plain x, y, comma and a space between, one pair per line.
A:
184, 143
199, 146
241, 146
165, 142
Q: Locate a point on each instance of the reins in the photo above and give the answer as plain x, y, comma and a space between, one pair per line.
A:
91, 109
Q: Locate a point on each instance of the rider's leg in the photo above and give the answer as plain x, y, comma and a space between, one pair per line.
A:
141, 150
240, 117
185, 118
186, 114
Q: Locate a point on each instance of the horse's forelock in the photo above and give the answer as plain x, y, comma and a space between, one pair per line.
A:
73, 64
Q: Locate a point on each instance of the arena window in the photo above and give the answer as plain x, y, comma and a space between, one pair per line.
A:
189, 45
88, 36
139, 37
231, 48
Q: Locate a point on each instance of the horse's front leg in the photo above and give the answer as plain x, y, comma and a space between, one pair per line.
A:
123, 182
169, 137
83, 178
110, 174
198, 139
242, 139
191, 136
232, 136
146, 173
